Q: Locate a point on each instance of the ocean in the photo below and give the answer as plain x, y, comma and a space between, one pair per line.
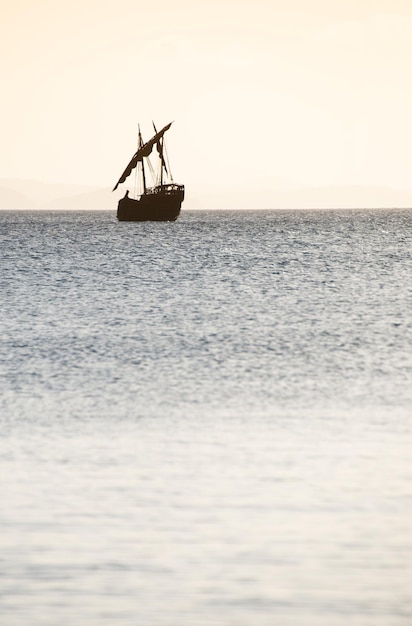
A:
206, 422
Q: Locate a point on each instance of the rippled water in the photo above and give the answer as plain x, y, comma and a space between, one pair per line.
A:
206, 422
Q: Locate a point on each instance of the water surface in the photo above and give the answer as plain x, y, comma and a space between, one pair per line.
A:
206, 422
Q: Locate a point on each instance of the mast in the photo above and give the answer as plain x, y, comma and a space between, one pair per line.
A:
161, 160
142, 162
160, 149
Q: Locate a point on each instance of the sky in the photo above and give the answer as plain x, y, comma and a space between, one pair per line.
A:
266, 96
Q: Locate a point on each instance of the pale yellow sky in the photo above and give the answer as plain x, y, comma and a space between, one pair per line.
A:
270, 95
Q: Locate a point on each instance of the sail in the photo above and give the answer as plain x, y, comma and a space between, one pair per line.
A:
143, 151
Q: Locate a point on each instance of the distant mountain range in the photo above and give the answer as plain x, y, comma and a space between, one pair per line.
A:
328, 197
29, 194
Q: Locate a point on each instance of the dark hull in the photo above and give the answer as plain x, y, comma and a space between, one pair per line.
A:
162, 204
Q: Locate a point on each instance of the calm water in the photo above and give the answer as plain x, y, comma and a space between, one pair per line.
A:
207, 422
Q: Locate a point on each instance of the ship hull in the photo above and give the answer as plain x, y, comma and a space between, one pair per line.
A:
162, 204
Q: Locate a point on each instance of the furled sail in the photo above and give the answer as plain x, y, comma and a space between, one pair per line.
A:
143, 151
159, 147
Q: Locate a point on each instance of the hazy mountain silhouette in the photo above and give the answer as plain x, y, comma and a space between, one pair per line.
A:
95, 199
13, 199
28, 194
331, 197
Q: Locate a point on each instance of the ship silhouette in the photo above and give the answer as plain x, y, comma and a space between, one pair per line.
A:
160, 202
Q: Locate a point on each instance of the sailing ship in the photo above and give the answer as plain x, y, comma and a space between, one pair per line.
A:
160, 202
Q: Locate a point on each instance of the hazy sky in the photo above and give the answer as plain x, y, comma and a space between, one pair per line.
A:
273, 94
